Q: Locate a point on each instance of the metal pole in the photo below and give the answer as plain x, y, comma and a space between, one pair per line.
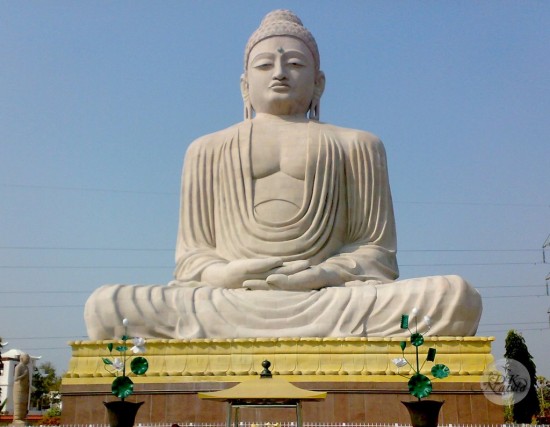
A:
229, 411
299, 413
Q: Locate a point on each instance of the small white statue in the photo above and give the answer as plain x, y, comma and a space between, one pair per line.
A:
21, 388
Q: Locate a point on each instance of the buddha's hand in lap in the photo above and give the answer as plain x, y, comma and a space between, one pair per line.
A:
236, 274
307, 279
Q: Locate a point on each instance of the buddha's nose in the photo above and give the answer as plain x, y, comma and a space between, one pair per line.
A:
279, 72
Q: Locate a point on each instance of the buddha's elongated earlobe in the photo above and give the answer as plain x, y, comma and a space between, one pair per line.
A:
246, 100
315, 107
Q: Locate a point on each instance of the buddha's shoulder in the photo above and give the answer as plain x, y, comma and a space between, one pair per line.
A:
351, 138
215, 139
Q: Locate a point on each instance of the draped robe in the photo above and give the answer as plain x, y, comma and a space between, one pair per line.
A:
346, 221
346, 217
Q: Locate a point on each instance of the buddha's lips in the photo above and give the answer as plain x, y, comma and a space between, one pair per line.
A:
278, 85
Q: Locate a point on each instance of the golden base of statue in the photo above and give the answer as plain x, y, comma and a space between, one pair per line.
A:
358, 374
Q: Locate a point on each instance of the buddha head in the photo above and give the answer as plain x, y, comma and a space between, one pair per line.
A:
281, 69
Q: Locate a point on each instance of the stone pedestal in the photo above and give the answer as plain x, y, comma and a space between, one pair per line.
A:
362, 383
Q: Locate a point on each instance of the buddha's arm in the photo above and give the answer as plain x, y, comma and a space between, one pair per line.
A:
195, 248
371, 236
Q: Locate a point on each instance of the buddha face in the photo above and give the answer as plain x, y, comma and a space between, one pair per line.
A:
281, 76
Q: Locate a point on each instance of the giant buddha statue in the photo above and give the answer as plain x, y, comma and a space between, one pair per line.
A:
286, 224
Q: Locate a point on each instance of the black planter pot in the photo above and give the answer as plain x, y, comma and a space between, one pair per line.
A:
122, 413
424, 413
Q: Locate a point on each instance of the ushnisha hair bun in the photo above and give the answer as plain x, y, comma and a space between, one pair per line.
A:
282, 22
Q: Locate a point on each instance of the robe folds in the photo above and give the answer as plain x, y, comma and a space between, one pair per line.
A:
346, 217
346, 221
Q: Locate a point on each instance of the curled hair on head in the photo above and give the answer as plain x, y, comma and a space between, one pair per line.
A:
282, 22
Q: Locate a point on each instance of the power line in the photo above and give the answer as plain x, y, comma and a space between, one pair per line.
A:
99, 248
74, 337
89, 189
530, 205
85, 336
84, 267
82, 306
465, 264
173, 193
466, 250
470, 264
45, 292
513, 296
73, 248
45, 348
512, 323
5, 307
519, 329
57, 291
506, 286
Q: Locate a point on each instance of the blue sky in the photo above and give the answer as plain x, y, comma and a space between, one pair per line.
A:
100, 100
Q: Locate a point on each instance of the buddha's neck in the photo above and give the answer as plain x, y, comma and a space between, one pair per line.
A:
295, 118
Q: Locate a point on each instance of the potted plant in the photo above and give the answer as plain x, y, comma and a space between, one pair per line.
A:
424, 413
122, 413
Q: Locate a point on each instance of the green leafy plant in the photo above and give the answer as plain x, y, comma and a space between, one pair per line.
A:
52, 417
122, 385
420, 385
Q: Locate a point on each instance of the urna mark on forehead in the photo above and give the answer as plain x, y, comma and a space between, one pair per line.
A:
285, 46
282, 23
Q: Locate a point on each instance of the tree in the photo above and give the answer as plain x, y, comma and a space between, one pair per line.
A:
543, 388
2, 402
516, 349
44, 380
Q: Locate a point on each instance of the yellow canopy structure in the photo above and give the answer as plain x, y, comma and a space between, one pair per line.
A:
263, 392
264, 389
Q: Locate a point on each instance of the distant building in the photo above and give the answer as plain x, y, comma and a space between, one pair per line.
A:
10, 359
